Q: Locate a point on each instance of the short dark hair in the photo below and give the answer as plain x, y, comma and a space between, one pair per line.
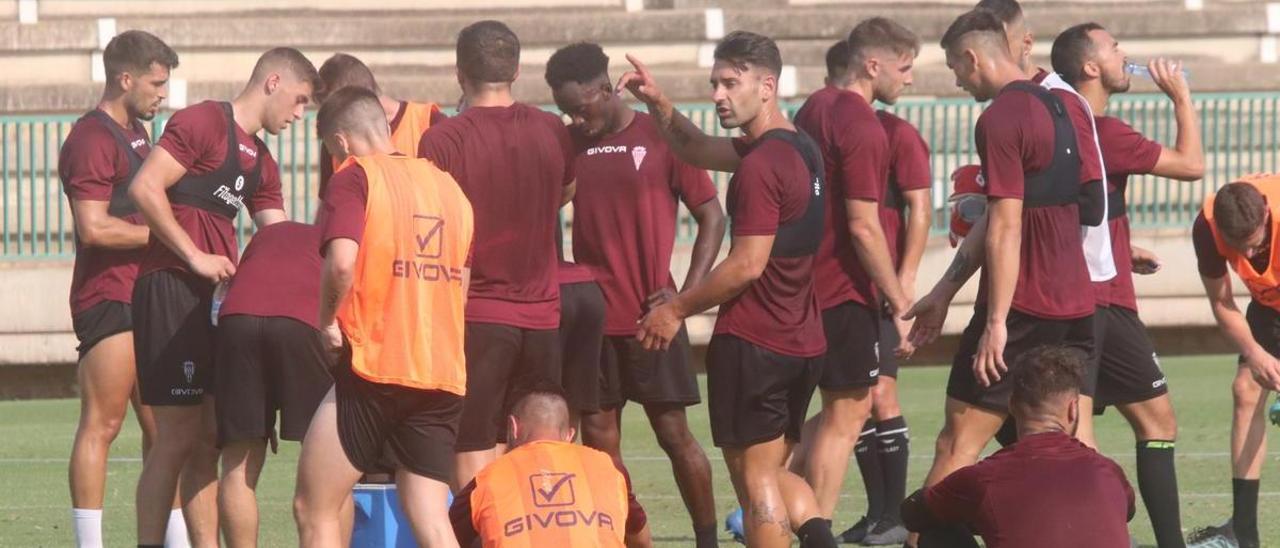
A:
1007, 10
838, 59
745, 49
1044, 372
288, 60
974, 21
344, 70
488, 52
1071, 50
1239, 210
582, 62
347, 109
134, 51
880, 32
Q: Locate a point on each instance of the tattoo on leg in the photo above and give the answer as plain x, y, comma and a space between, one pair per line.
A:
762, 513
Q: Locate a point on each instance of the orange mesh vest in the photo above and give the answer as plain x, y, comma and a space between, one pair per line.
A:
550, 494
415, 121
1263, 286
404, 315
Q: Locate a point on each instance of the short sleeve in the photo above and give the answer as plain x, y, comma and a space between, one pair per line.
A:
1090, 163
88, 165
909, 161
757, 203
1210, 262
437, 115
863, 148
1125, 151
958, 497
692, 184
1000, 141
270, 193
192, 134
567, 149
343, 209
443, 147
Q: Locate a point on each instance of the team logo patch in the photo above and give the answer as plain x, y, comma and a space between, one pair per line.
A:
429, 233
552, 489
981, 180
876, 346
189, 371
1156, 360
239, 183
637, 156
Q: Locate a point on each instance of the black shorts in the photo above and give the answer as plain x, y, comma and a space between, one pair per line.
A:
267, 365
1264, 324
889, 341
1024, 333
853, 347
100, 321
756, 395
581, 334
628, 372
173, 337
501, 361
1129, 371
381, 424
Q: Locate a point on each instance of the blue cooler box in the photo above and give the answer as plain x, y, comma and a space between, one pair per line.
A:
379, 520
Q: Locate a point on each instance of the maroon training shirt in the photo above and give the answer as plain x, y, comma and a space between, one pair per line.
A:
1125, 152
512, 163
624, 215
279, 275
779, 311
855, 150
908, 170
91, 164
1047, 490
573, 273
196, 137
1015, 138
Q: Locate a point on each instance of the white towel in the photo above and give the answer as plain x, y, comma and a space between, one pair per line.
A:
1097, 239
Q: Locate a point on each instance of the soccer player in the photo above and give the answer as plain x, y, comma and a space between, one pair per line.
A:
1047, 490
270, 359
408, 119
515, 163
854, 259
1237, 229
206, 167
396, 239
763, 361
102, 153
1090, 59
1030, 239
624, 224
544, 473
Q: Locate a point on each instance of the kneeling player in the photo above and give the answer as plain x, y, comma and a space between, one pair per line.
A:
396, 240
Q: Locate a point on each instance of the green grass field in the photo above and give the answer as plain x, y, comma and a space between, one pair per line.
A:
35, 438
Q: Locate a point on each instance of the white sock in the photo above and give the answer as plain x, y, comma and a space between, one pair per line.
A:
175, 535
88, 527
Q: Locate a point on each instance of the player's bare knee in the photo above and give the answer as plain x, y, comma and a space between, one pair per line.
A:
1245, 393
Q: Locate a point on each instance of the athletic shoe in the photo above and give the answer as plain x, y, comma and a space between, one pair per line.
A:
733, 524
1222, 536
887, 532
855, 534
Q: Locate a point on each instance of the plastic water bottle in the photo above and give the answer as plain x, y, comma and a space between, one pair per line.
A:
1142, 70
1274, 413
219, 294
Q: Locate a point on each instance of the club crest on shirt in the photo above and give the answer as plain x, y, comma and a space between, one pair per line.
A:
637, 155
189, 371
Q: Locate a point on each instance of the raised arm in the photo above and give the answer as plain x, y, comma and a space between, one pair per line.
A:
1185, 161
688, 142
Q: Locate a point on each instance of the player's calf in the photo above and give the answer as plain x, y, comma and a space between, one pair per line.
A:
237, 504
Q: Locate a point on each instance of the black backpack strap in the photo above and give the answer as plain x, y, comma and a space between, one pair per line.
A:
121, 205
800, 236
1059, 182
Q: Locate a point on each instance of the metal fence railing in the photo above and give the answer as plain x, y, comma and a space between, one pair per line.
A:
1240, 136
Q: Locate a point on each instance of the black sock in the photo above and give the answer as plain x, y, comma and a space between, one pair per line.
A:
1244, 511
706, 537
893, 444
816, 533
869, 466
1158, 483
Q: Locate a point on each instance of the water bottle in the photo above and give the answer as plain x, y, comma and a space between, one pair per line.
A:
219, 294
1142, 70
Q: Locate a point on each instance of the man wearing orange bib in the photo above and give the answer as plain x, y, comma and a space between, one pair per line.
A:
408, 119
396, 241
547, 491
1237, 228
